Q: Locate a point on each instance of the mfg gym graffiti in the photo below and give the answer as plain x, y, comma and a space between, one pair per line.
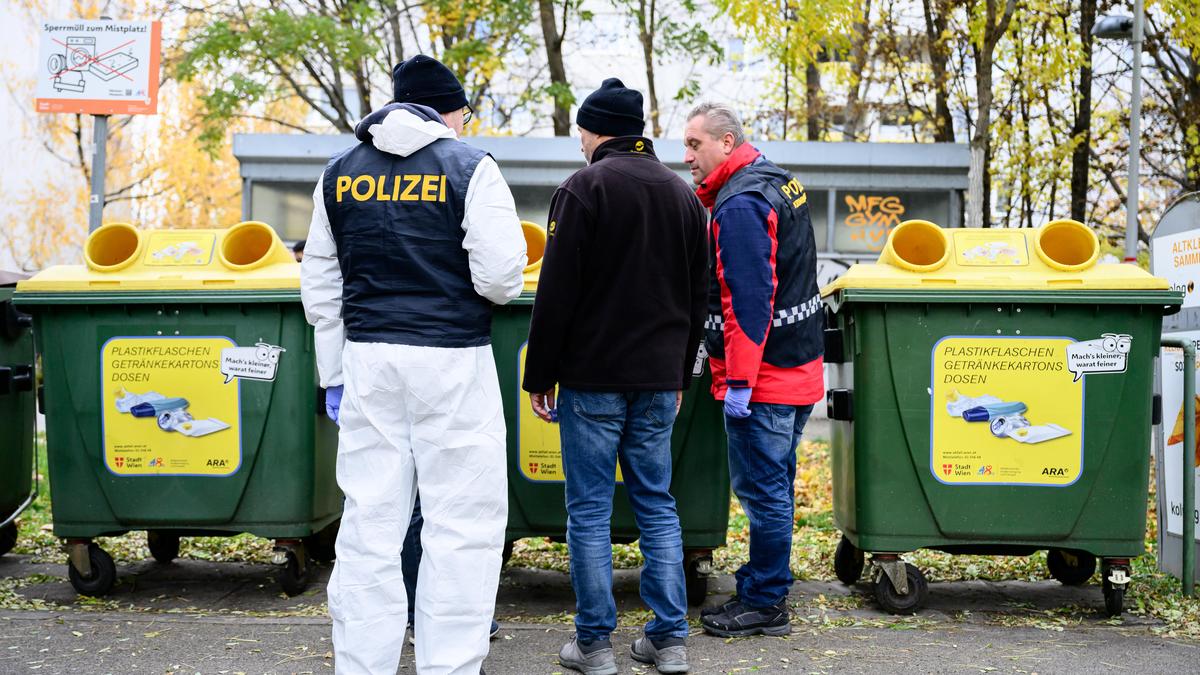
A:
871, 217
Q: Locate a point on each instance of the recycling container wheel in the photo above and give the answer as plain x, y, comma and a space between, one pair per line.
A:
164, 546
321, 545
1114, 598
102, 578
891, 600
1070, 568
848, 562
697, 584
8, 537
291, 578
1114, 594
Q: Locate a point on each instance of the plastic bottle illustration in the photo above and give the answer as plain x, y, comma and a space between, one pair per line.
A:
957, 403
126, 401
991, 411
158, 407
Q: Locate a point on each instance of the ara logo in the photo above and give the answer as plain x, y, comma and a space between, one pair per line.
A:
1054, 471
533, 467
218, 462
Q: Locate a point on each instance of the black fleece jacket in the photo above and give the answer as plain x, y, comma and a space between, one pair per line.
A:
621, 301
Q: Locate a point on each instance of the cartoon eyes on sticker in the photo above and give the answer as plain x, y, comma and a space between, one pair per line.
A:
1114, 342
266, 353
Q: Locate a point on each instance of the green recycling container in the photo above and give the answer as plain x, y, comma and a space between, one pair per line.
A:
991, 392
16, 415
180, 397
536, 501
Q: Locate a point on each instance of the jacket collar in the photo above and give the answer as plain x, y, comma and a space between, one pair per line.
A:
743, 155
402, 128
638, 145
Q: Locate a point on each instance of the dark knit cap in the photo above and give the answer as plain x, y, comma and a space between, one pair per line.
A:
425, 80
612, 110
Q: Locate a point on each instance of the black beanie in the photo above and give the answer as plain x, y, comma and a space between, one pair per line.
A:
612, 110
425, 80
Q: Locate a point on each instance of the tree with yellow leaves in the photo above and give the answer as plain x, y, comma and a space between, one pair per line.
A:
336, 58
795, 33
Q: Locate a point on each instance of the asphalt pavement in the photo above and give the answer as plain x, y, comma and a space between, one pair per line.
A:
204, 617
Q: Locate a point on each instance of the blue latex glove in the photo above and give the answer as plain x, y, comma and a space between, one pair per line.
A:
333, 402
737, 402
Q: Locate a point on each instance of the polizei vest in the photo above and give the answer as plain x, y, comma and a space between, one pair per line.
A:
397, 222
796, 336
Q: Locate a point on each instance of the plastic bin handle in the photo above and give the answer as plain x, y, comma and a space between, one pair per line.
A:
16, 379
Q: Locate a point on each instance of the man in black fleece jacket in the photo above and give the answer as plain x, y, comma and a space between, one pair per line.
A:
616, 324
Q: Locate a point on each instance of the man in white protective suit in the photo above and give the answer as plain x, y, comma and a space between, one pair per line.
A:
414, 238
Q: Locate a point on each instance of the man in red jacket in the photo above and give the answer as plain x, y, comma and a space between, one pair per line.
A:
764, 336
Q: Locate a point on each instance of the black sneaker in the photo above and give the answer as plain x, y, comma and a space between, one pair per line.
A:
741, 620
721, 608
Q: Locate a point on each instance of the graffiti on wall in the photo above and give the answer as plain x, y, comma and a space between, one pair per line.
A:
872, 217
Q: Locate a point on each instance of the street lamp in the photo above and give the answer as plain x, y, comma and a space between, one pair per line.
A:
1113, 28
1127, 28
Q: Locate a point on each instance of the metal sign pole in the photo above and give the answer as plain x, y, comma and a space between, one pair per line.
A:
96, 199
1132, 225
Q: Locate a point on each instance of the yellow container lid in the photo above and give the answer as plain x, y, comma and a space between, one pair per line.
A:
1060, 255
120, 257
535, 247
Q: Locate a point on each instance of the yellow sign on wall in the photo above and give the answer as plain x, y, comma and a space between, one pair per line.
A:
167, 407
1007, 411
539, 448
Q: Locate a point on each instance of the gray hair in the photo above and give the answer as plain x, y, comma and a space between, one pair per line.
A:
720, 119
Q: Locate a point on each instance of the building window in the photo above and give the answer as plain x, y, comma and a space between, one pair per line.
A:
533, 202
863, 219
287, 207
818, 213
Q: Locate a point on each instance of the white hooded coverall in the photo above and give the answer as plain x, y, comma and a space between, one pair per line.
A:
417, 417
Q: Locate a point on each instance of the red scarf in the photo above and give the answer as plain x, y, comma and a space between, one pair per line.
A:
712, 184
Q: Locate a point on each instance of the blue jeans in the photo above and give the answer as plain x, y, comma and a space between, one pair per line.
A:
598, 429
410, 557
762, 469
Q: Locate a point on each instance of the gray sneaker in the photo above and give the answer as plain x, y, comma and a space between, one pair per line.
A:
599, 662
667, 659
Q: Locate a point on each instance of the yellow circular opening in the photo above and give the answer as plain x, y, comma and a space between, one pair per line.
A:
919, 246
112, 247
246, 244
1067, 245
535, 243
